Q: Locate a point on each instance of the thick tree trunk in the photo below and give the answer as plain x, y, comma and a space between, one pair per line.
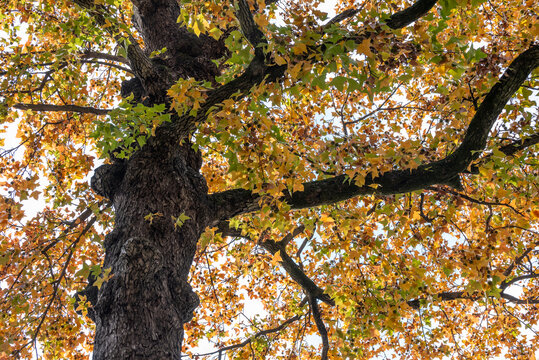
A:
140, 311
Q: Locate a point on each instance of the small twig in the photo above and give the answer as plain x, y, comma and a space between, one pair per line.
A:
517, 261
69, 108
71, 224
57, 283
282, 326
422, 212
379, 108
471, 199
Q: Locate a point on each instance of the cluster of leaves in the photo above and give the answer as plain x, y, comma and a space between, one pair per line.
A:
127, 128
369, 100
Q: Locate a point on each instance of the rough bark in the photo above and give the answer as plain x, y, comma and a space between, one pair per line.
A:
141, 309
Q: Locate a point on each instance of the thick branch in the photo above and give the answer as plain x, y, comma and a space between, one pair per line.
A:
248, 26
69, 108
445, 171
409, 15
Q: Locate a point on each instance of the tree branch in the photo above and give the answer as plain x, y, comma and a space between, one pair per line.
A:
518, 145
248, 26
90, 54
471, 199
516, 300
292, 268
317, 316
282, 326
68, 108
409, 15
346, 14
446, 171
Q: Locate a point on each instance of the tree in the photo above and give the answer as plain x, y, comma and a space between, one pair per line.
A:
369, 177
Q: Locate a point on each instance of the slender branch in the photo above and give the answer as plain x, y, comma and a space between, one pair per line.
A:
518, 145
317, 316
89, 54
57, 283
292, 268
281, 327
68, 108
516, 300
104, 63
71, 224
444, 296
463, 295
471, 199
505, 284
517, 262
381, 107
346, 14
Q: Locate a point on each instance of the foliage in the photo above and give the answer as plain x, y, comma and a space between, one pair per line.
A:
446, 271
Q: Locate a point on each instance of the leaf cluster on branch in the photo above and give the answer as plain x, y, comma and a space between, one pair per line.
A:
371, 177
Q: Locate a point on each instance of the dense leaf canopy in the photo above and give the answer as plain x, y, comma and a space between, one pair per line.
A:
378, 172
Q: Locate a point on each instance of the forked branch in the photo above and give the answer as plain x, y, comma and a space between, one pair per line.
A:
445, 171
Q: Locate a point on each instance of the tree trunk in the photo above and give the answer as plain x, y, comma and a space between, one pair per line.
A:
141, 310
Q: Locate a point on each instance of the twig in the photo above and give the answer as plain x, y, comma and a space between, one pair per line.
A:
69, 108
250, 339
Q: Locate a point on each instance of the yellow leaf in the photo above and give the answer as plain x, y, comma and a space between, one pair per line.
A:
299, 48
262, 20
295, 70
279, 60
196, 29
276, 258
298, 186
326, 219
365, 47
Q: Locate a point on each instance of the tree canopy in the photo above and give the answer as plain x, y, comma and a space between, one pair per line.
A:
356, 179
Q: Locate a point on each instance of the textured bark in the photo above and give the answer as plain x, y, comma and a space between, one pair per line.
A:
141, 309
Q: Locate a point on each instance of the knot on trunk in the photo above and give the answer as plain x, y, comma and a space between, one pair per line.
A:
107, 179
186, 300
139, 257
